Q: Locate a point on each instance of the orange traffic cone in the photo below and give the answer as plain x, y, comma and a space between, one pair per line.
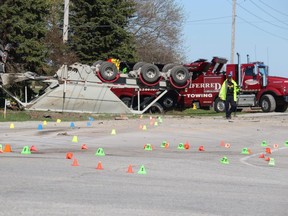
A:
130, 169
268, 150
99, 166
75, 162
166, 145
267, 159
222, 143
201, 148
186, 145
69, 155
249, 151
33, 148
261, 156
84, 147
7, 148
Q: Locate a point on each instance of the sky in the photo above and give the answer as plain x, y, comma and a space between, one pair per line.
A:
261, 31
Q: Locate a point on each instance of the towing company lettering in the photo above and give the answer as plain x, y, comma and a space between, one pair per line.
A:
207, 86
199, 95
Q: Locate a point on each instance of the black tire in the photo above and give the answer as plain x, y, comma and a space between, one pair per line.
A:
168, 102
127, 101
205, 107
268, 103
97, 62
179, 75
156, 108
138, 65
150, 73
169, 66
108, 71
281, 108
219, 105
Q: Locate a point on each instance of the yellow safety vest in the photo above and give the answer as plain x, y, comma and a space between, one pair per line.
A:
223, 90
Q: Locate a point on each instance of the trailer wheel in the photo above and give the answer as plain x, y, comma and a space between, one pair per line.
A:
281, 108
138, 65
179, 75
97, 62
108, 71
168, 102
268, 103
127, 101
156, 108
219, 105
168, 67
150, 73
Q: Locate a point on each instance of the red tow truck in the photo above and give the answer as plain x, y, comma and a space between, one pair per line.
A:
257, 88
201, 87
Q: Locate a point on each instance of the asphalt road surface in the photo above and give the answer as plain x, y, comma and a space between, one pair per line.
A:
177, 182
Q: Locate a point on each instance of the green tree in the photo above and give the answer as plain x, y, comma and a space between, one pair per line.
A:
98, 29
24, 23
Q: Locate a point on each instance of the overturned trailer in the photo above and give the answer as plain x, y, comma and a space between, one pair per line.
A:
82, 88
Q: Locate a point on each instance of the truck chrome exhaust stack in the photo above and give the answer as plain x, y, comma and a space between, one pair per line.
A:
239, 70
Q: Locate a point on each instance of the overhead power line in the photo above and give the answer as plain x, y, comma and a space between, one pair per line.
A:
261, 18
268, 13
270, 33
208, 19
273, 8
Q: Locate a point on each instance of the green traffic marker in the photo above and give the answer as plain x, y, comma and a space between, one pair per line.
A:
245, 151
148, 147
26, 150
271, 162
224, 160
100, 152
181, 146
264, 143
142, 170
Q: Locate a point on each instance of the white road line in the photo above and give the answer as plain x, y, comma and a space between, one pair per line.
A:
244, 159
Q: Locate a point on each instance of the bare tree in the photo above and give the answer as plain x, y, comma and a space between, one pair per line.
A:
58, 52
157, 29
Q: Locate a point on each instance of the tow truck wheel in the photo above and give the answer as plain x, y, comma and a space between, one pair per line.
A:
127, 101
268, 103
168, 67
281, 108
156, 108
138, 65
150, 73
219, 105
168, 102
97, 62
179, 75
108, 71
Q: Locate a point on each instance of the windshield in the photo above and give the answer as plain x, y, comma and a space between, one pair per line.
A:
263, 71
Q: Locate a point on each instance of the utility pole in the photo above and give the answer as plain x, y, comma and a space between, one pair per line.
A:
66, 21
233, 31
65, 39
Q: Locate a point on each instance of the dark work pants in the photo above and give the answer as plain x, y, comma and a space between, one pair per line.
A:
229, 102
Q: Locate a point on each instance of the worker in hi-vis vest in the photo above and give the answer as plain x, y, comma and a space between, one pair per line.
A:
228, 93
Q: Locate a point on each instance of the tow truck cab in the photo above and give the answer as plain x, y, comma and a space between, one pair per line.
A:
258, 89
